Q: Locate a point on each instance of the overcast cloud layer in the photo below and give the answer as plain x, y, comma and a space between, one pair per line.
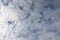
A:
29, 19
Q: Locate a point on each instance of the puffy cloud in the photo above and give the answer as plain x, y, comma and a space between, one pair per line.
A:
29, 19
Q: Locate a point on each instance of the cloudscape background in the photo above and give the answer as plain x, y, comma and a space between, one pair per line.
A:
29, 19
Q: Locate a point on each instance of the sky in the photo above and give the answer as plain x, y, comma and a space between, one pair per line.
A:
29, 19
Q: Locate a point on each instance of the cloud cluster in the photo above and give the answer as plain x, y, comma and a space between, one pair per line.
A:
29, 19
